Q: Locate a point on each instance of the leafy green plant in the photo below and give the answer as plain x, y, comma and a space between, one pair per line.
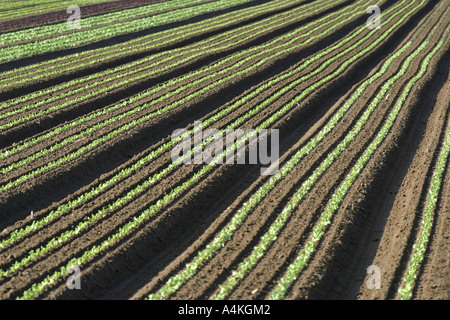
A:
17, 234
108, 25
208, 46
286, 46
421, 244
18, 9
333, 205
90, 57
161, 202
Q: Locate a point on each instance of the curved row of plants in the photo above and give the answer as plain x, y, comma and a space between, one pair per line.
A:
137, 220
17, 234
176, 281
79, 61
420, 247
46, 38
333, 205
19, 9
98, 83
286, 46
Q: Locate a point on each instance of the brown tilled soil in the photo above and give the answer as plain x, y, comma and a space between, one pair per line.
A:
376, 224
61, 15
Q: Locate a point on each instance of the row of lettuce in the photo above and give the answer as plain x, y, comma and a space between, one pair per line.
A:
150, 104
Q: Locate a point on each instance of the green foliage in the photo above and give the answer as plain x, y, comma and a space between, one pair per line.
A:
154, 41
18, 9
157, 206
128, 70
17, 234
338, 196
176, 281
284, 47
420, 246
104, 26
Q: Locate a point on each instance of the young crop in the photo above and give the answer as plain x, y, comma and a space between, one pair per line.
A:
101, 20
18, 9
288, 46
78, 38
421, 244
121, 16
202, 48
158, 40
333, 205
282, 91
161, 202
271, 235
131, 68
119, 202
175, 282
214, 118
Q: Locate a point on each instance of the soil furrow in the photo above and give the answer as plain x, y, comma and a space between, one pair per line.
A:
72, 110
140, 221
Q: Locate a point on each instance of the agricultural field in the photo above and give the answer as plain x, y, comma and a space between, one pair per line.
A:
93, 204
